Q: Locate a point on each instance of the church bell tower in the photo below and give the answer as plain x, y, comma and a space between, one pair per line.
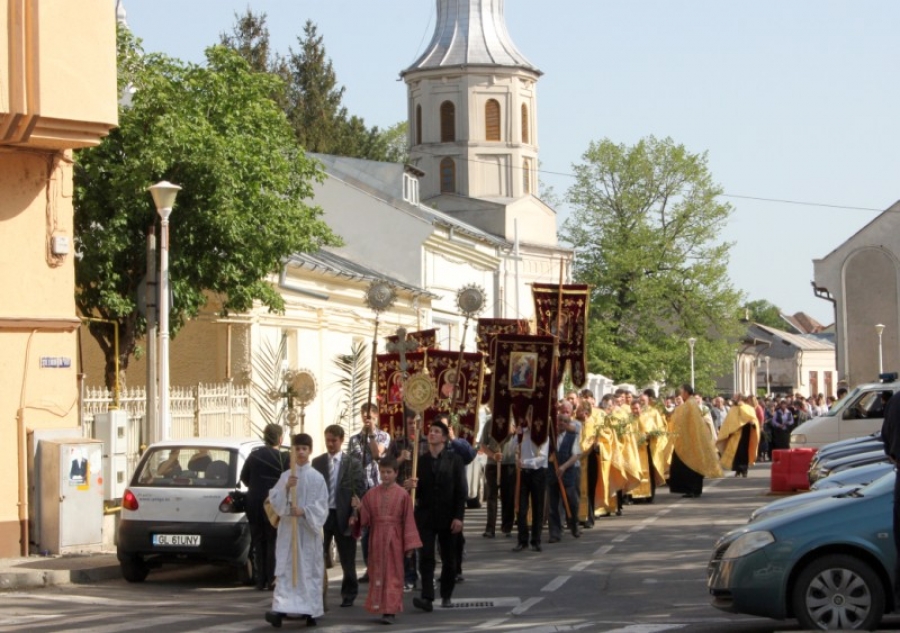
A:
472, 99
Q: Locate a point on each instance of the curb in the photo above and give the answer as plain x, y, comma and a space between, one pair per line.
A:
39, 578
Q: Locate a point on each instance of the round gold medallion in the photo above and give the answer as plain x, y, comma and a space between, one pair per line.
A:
419, 392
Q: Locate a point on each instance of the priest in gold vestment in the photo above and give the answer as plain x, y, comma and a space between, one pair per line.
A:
694, 456
739, 437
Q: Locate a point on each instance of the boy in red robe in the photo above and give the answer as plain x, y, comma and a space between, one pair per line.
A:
387, 511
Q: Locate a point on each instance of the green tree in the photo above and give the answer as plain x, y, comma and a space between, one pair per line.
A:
213, 130
764, 313
645, 226
312, 98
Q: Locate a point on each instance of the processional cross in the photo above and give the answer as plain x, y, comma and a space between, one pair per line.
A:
402, 346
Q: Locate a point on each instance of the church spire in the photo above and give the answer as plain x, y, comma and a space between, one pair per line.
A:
470, 32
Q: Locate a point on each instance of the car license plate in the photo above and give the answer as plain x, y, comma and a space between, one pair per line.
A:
179, 540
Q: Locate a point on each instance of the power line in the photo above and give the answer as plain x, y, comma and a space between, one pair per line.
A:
724, 195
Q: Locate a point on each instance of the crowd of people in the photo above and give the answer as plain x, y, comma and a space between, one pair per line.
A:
403, 499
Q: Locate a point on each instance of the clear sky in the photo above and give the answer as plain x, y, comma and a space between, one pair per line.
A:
793, 101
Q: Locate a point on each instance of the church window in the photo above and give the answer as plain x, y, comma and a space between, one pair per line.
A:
418, 125
525, 134
448, 122
492, 120
448, 176
526, 175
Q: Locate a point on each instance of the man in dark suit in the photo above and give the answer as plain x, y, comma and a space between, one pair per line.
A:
440, 507
346, 485
260, 473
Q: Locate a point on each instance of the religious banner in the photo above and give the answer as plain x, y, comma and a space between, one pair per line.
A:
571, 322
486, 336
451, 372
523, 385
424, 338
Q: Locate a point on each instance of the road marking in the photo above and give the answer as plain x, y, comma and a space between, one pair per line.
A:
648, 628
138, 623
581, 566
664, 511
522, 608
603, 550
492, 623
620, 538
649, 520
556, 583
636, 528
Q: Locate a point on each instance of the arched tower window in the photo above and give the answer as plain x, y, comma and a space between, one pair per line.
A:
448, 176
525, 135
448, 122
526, 176
418, 125
492, 120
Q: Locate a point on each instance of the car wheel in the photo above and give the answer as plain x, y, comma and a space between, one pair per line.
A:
134, 569
838, 592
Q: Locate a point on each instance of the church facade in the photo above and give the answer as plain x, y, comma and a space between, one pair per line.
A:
426, 228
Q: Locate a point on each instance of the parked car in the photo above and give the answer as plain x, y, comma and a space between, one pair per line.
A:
848, 450
831, 466
828, 563
787, 504
860, 412
178, 508
857, 476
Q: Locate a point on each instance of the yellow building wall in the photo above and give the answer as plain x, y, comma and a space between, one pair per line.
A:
57, 92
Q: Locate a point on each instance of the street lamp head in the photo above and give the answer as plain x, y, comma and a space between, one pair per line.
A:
879, 328
691, 342
164, 194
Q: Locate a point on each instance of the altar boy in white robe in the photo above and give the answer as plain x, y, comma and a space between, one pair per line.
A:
302, 518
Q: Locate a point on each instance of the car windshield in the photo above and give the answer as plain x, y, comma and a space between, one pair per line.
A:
184, 466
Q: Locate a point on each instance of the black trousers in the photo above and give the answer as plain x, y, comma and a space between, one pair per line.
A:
507, 497
447, 542
532, 488
262, 540
593, 471
571, 480
491, 495
346, 547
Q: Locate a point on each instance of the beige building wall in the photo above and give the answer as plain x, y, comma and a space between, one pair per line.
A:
57, 92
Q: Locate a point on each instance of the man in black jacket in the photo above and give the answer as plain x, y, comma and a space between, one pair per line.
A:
440, 506
890, 434
346, 484
260, 473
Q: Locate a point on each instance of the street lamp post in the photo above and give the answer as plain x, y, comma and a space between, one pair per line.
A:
691, 342
164, 194
880, 329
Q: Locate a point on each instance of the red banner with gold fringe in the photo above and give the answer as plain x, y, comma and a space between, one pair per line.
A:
486, 335
570, 320
523, 385
450, 371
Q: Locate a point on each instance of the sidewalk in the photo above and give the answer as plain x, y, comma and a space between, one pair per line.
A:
46, 571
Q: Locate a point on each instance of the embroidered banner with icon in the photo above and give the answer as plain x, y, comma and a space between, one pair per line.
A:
571, 321
523, 385
458, 384
486, 336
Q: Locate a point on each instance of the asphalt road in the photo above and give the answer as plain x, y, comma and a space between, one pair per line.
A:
643, 572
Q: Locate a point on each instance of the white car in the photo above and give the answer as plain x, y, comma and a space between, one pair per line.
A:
176, 508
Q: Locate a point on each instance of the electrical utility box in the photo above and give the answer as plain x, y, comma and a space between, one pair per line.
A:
71, 489
111, 428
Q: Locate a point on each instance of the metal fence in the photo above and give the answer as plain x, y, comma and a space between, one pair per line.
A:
219, 410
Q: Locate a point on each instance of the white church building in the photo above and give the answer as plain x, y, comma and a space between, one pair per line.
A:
464, 211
